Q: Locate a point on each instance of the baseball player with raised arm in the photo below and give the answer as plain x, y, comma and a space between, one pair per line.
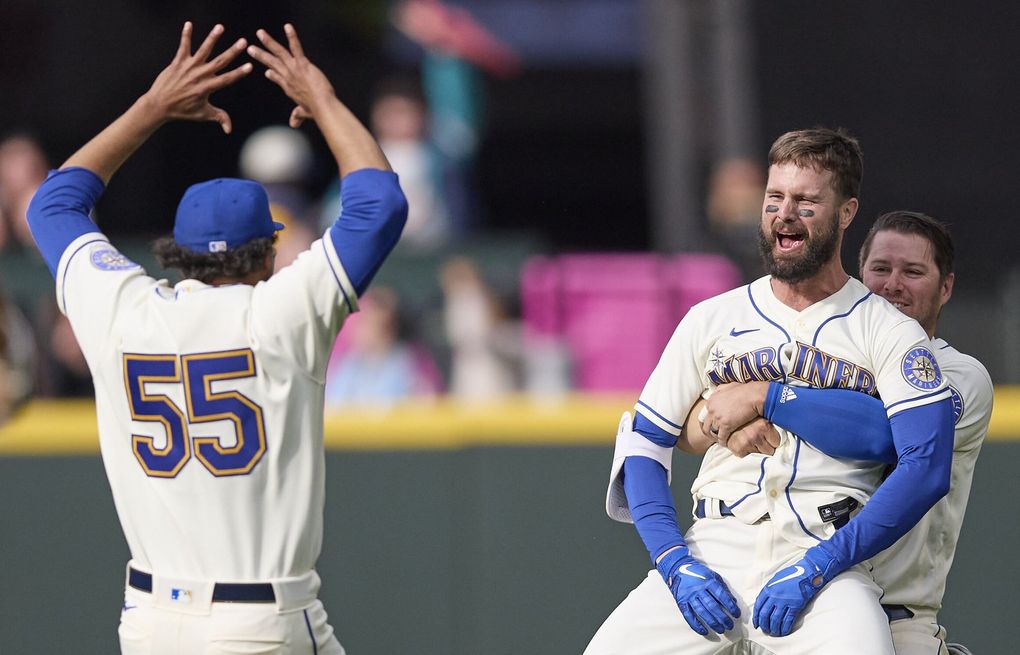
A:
209, 394
907, 258
773, 562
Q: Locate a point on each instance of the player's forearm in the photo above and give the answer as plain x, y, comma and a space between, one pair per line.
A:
693, 439
839, 422
651, 505
352, 145
108, 150
924, 440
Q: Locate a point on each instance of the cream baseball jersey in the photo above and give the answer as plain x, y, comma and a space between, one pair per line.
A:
913, 570
853, 339
209, 401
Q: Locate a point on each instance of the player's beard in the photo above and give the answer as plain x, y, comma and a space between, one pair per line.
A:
815, 254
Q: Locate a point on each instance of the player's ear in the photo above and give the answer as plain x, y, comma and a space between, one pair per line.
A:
946, 288
847, 211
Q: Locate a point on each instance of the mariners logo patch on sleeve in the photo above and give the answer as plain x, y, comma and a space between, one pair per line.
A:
106, 258
921, 370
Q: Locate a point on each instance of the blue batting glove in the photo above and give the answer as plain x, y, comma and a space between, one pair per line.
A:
785, 596
699, 592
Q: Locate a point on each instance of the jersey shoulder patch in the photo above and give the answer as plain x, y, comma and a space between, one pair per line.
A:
107, 258
921, 369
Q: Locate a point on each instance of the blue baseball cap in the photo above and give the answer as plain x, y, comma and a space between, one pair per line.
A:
223, 214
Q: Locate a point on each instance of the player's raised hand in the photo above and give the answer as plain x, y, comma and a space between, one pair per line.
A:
702, 596
783, 598
350, 142
182, 89
290, 69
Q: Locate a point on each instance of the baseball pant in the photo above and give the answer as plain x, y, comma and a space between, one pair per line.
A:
845, 618
179, 617
920, 635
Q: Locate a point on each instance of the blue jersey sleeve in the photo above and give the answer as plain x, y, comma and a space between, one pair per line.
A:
838, 422
59, 211
373, 216
653, 432
651, 504
924, 440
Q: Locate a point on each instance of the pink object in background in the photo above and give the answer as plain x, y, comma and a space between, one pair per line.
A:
615, 312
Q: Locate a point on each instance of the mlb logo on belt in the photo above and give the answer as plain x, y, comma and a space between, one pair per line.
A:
180, 595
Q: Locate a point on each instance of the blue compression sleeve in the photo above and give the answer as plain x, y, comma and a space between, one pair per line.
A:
924, 441
373, 216
651, 504
59, 211
838, 422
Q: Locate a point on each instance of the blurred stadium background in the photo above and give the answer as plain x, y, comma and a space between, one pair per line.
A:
601, 182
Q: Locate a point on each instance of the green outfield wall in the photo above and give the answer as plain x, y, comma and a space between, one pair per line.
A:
448, 530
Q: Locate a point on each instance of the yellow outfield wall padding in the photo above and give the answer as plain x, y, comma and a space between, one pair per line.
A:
68, 427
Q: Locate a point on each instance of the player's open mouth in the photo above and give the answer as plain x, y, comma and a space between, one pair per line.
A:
788, 242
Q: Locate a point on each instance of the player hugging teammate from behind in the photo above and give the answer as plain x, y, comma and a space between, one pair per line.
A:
775, 560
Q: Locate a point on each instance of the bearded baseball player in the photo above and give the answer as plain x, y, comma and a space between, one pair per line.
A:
773, 561
209, 394
907, 258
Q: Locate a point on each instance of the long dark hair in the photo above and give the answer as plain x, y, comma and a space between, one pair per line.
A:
207, 266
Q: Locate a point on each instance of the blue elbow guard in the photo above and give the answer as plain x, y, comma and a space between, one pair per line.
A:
838, 422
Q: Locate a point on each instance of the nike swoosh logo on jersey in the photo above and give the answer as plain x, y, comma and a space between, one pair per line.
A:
129, 607
797, 572
686, 570
736, 333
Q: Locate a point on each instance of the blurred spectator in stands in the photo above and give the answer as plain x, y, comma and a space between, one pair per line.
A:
429, 129
281, 159
371, 365
733, 206
23, 167
70, 375
17, 358
485, 346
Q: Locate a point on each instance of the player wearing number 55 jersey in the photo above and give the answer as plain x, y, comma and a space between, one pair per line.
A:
209, 394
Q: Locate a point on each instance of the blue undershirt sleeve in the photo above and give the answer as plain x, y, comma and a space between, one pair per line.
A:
924, 440
651, 504
838, 422
373, 216
59, 211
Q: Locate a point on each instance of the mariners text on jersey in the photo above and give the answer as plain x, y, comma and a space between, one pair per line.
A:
810, 365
